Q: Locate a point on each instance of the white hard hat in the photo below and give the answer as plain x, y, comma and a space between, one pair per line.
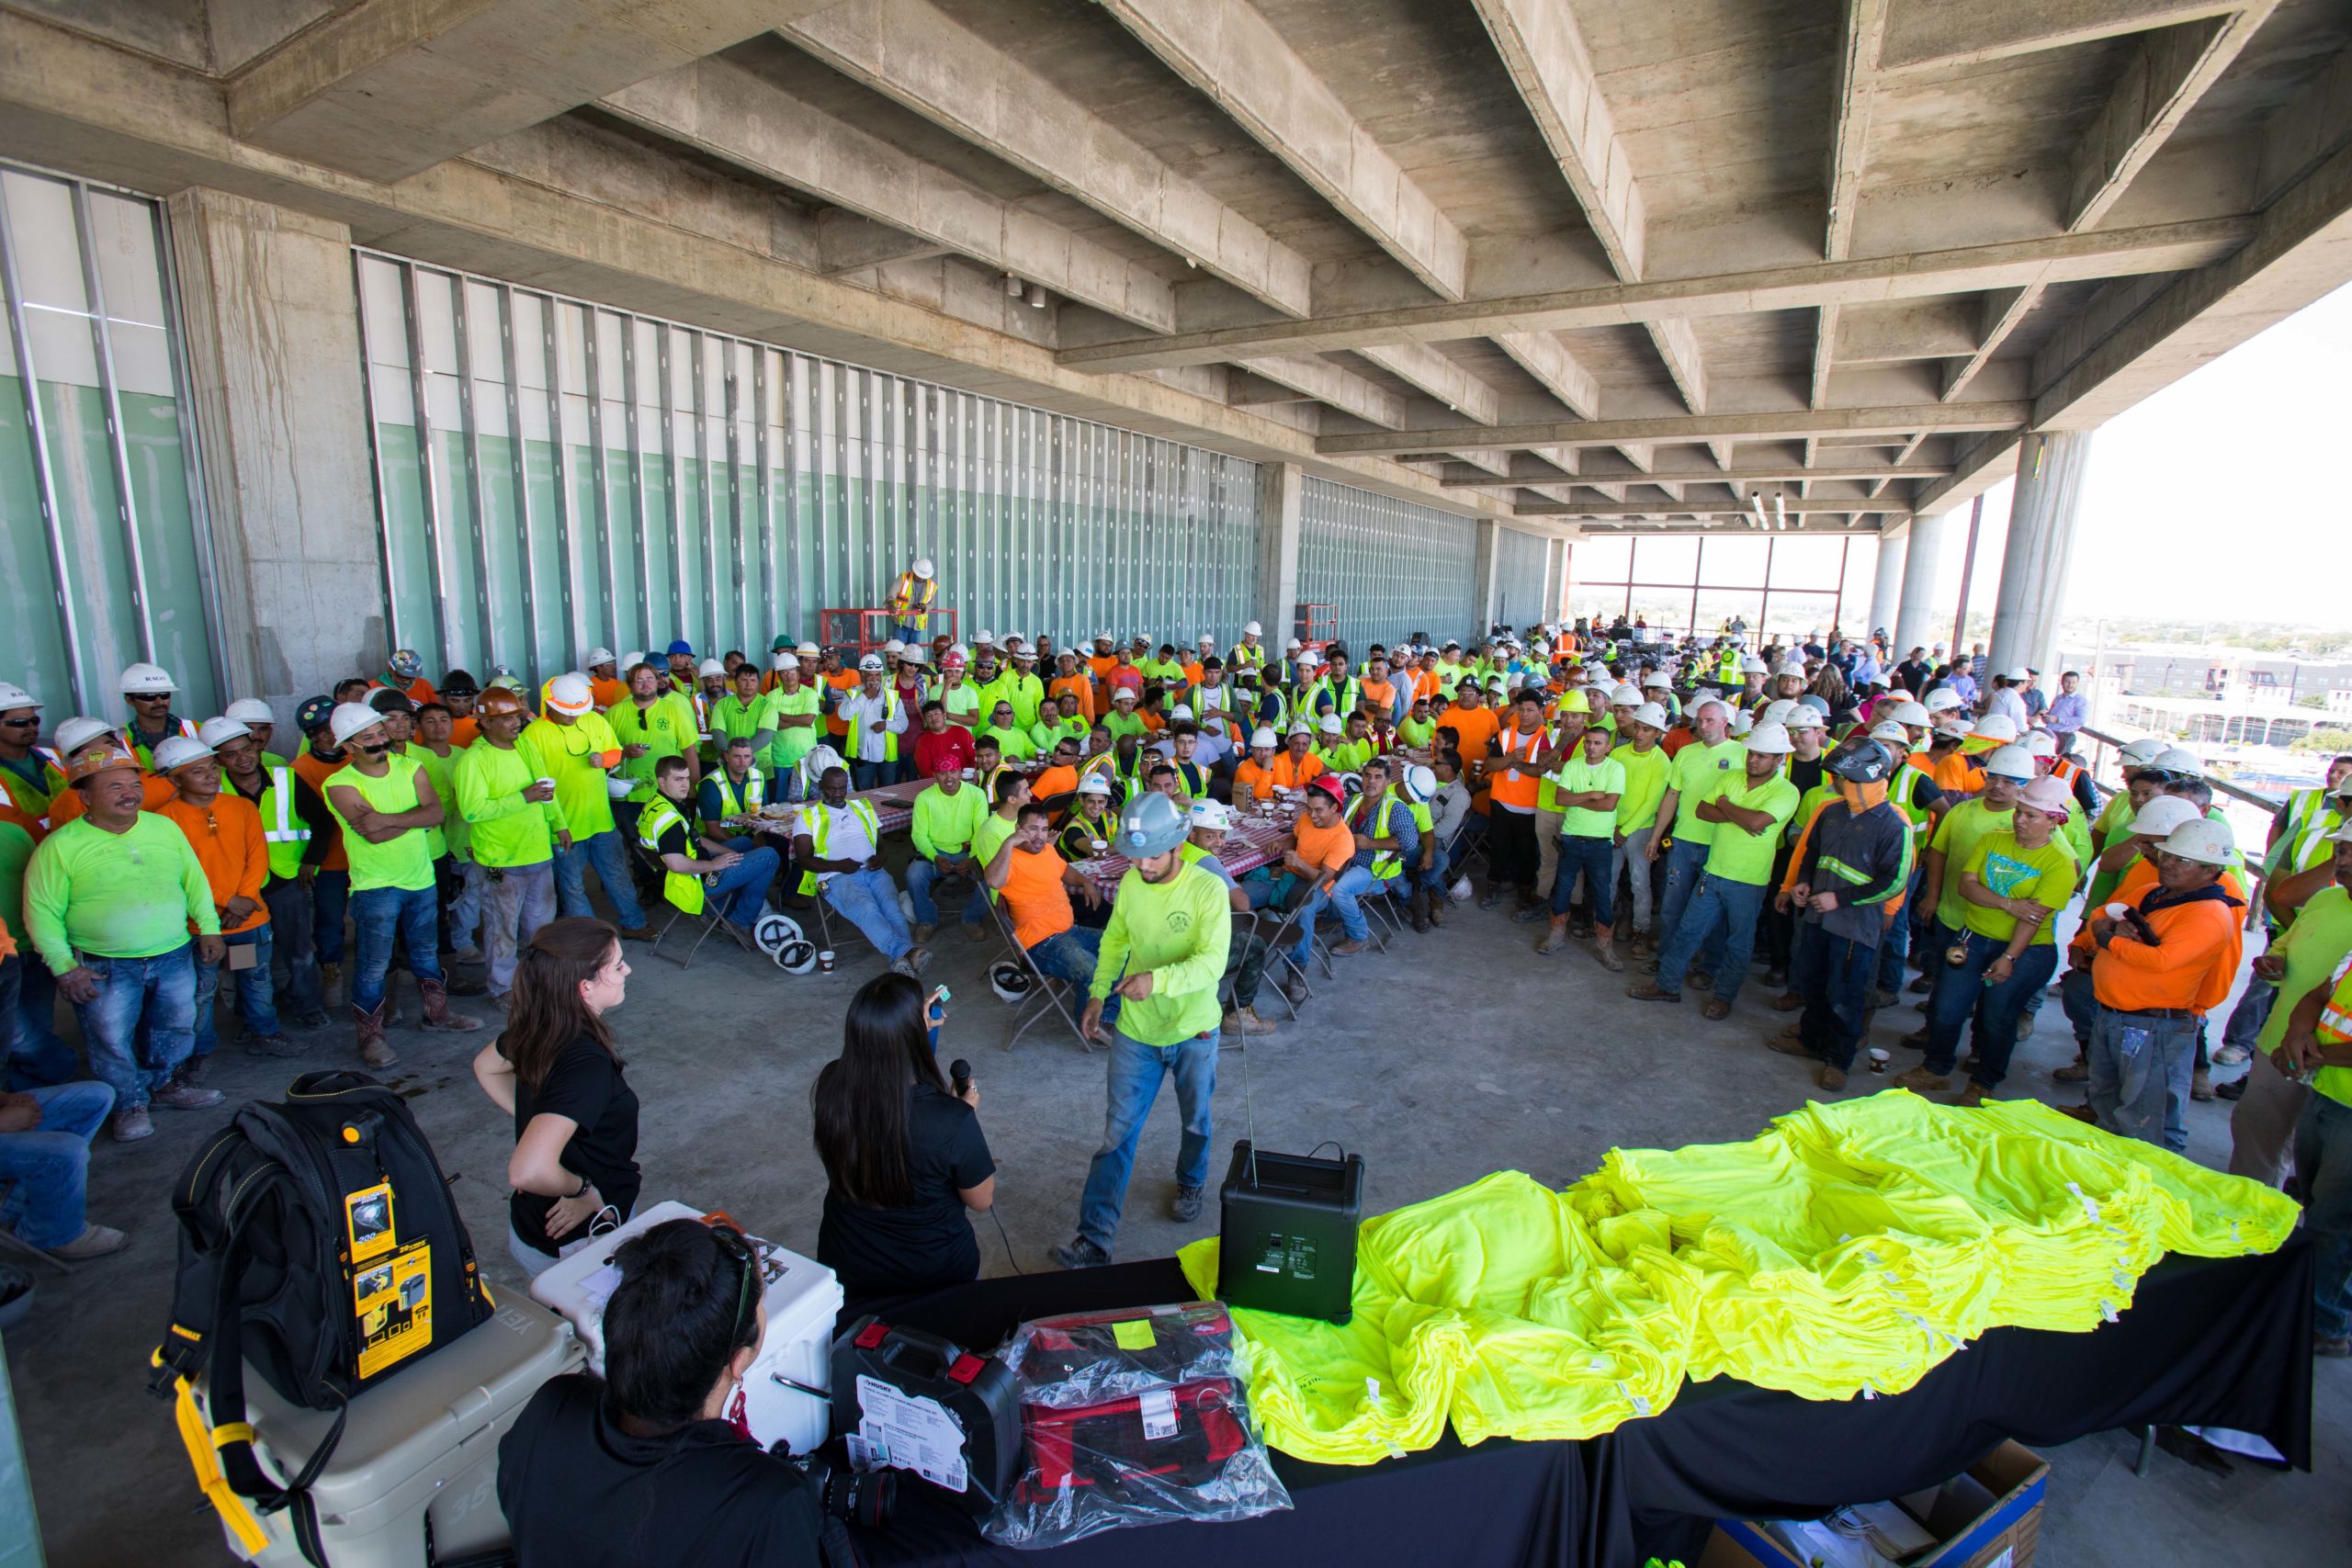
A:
1331, 724
1106, 636
571, 693
984, 639
2146, 749
914, 655
2206, 841
1094, 784
2009, 762
2019, 673
1262, 736
1942, 699
599, 656
1206, 639
1180, 710
2161, 816
1655, 680
1742, 721
922, 565
1780, 710
146, 680
1650, 713
1125, 694
871, 664
807, 651
782, 658
2049, 796
1751, 665
1300, 727
1998, 726
710, 667
1421, 782
1804, 715
1770, 740
1626, 695
894, 647
2181, 760
16, 697
249, 711
1010, 981
1292, 643
350, 719
79, 731
772, 931
178, 752
2038, 743
1792, 667
1252, 628
1909, 713
218, 732
632, 659
1211, 814
1892, 733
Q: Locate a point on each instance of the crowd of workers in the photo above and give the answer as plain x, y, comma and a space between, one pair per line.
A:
1688, 808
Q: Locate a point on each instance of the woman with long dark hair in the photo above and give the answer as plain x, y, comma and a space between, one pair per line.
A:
641, 1467
555, 1070
903, 1156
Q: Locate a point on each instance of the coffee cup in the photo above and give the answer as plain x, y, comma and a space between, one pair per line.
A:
971, 773
825, 960
1878, 1058
1098, 846
544, 783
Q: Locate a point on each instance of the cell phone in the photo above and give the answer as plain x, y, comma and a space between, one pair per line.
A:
939, 995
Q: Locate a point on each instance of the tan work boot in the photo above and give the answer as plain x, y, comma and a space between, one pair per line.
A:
1604, 948
437, 1015
373, 1052
1245, 1021
1788, 1001
1919, 1080
1556, 938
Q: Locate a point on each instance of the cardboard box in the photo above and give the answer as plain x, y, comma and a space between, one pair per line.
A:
2003, 1535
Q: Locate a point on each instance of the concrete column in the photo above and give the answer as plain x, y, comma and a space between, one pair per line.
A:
271, 318
1886, 587
2041, 549
1914, 615
1482, 576
1280, 486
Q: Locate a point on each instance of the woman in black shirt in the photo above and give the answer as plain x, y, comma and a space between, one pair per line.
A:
640, 1468
903, 1156
555, 1070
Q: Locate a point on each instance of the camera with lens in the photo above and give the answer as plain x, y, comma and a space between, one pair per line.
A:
863, 1498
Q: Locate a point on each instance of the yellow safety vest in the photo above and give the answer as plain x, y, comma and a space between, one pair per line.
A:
1386, 863
658, 819
284, 832
730, 802
891, 708
820, 819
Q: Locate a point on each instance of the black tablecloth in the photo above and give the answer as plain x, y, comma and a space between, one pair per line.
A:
2220, 1342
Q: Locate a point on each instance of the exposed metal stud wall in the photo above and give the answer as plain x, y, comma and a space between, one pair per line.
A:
1522, 561
725, 491
1391, 567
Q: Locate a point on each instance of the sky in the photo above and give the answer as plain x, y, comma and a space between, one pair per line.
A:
2199, 501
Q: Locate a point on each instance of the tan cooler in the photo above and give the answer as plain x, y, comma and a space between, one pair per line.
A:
420, 1449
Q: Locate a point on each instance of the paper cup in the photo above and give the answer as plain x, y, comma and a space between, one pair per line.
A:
971, 773
2117, 911
1098, 845
1878, 1058
544, 783
825, 960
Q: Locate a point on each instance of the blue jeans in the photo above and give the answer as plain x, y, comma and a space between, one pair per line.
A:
1070, 956
329, 900
49, 1166
1136, 1070
251, 988
871, 776
1686, 863
1596, 858
869, 900
1833, 974
518, 900
1348, 894
2324, 1172
1895, 946
1960, 993
923, 874
465, 909
36, 1056
379, 914
2140, 1068
741, 890
1298, 951
1632, 857
141, 1025
1721, 913
603, 851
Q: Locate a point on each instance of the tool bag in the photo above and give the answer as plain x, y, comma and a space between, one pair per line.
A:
319, 1242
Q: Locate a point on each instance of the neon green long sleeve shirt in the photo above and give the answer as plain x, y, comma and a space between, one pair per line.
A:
130, 895
506, 829
946, 823
1180, 929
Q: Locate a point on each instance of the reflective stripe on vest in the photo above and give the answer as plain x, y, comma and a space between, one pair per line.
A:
821, 833
1386, 863
284, 832
658, 819
891, 708
732, 805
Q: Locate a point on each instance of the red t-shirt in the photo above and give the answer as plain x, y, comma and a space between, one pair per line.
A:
949, 752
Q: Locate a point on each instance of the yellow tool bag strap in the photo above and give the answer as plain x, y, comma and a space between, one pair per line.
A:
211, 1479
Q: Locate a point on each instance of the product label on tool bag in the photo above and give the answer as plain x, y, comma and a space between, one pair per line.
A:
394, 1302
368, 1217
912, 1432
1157, 1407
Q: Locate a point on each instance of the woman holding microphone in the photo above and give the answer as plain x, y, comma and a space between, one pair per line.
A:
903, 1154
556, 1072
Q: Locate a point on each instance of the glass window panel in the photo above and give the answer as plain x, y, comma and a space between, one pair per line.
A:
1802, 561
1733, 560
1601, 560
1796, 616
122, 236
1719, 607
1671, 559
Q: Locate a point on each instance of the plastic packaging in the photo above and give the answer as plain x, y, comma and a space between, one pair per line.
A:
1133, 1418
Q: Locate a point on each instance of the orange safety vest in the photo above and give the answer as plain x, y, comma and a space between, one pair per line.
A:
1509, 781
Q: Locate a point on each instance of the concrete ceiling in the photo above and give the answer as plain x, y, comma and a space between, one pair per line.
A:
1513, 253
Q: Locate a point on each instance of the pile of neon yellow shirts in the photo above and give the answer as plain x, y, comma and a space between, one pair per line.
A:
1846, 1250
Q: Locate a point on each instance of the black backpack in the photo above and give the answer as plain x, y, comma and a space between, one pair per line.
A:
319, 1241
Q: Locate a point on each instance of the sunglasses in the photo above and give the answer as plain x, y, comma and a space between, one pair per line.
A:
151, 696
732, 1242
21, 723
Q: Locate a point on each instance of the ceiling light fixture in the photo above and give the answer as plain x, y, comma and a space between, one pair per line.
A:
1012, 287
1037, 295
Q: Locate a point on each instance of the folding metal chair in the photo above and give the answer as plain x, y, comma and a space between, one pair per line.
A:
1288, 932
1043, 987
710, 920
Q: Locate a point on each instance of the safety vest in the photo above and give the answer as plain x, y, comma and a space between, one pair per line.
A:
913, 597
2302, 806
2336, 1013
1386, 863
891, 708
1193, 777
1513, 780
658, 819
734, 803
1103, 762
1346, 697
1245, 653
1281, 719
820, 819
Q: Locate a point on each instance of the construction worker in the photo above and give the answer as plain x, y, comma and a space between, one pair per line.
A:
740, 710
516, 827
29, 776
877, 722
656, 722
792, 723
1387, 839
911, 600
296, 830
226, 833
838, 849
733, 789
736, 877
605, 682
148, 689
948, 817
1020, 686
1251, 651
385, 802
1014, 743
110, 899
573, 745
319, 757
1583, 791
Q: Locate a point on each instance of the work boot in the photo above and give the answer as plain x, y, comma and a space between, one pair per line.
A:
274, 1045
1436, 907
1650, 991
923, 930
1604, 948
467, 955
331, 982
1788, 1001
1528, 914
463, 986
95, 1241
1793, 1033
177, 1096
373, 1052
1971, 1097
1716, 1009
437, 1015
1919, 1080
1788, 1042
1776, 976
1080, 1253
1642, 944
1356, 945
1245, 1021
1920, 985
2201, 1084
1885, 999
194, 1071
2072, 1071
1556, 938
1420, 904
639, 933
1185, 1207
1293, 986
975, 931
1831, 1078
1700, 980
1914, 1040
1494, 897
130, 1124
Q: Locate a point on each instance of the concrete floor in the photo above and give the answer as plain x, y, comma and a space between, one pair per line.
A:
1456, 1054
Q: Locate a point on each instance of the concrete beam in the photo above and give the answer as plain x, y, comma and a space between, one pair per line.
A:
2001, 311
1702, 506
1228, 51
2306, 131
730, 112
1678, 346
1931, 35
1859, 41
915, 54
1546, 358
388, 88
2161, 83
1545, 55
2109, 253
1527, 471
1778, 426
1925, 329
1441, 376
846, 243
1325, 382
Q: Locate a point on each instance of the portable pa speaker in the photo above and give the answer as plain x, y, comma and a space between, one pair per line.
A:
1288, 1234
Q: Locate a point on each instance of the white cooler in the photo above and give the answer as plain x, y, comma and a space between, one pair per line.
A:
787, 1393
418, 1450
